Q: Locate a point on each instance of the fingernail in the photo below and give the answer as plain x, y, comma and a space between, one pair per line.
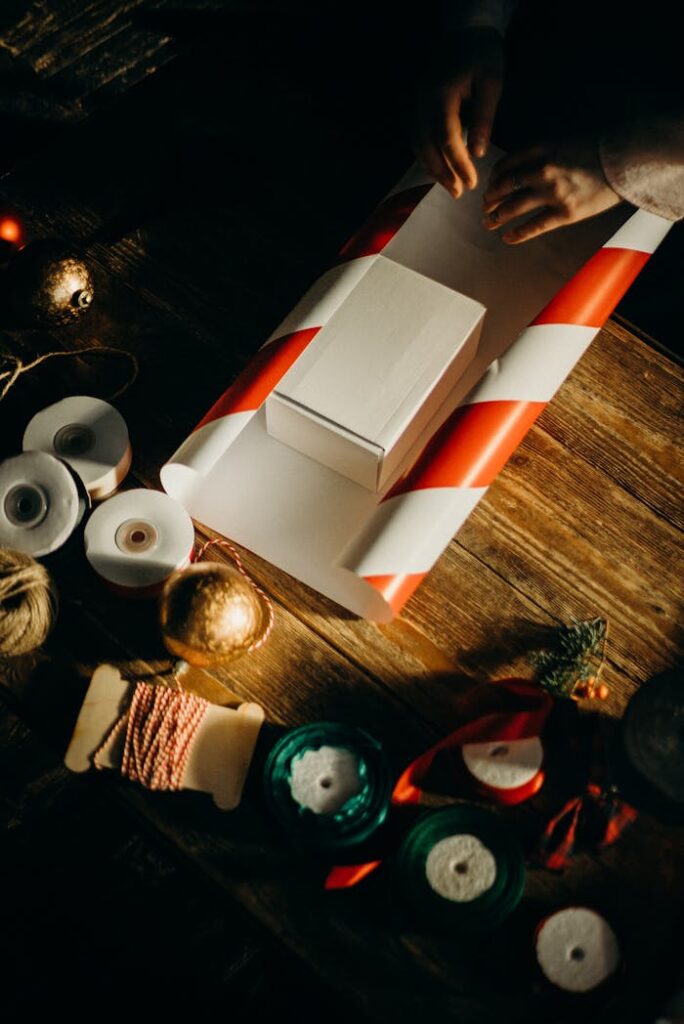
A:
479, 149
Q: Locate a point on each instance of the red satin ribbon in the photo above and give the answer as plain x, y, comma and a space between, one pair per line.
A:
527, 721
560, 835
531, 706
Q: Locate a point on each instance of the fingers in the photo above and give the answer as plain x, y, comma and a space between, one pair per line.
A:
529, 157
486, 96
510, 183
539, 225
436, 165
453, 147
515, 206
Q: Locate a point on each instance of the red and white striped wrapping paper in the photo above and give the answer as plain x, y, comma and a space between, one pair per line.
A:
373, 560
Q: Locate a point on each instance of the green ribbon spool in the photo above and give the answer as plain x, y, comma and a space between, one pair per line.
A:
359, 817
485, 911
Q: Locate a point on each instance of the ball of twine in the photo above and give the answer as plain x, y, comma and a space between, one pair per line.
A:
28, 603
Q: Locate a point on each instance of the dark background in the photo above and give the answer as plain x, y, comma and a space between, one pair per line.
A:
156, 115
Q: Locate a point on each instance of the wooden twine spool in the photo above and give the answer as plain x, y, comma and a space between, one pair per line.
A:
28, 603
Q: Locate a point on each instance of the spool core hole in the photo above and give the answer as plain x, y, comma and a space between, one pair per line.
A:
461, 867
325, 782
500, 750
577, 953
137, 536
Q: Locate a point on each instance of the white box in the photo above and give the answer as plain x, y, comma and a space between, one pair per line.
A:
359, 395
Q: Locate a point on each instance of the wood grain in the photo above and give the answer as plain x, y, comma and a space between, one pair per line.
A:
199, 248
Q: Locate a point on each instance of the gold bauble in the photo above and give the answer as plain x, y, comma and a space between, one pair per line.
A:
210, 613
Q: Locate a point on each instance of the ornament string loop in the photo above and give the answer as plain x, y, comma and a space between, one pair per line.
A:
268, 604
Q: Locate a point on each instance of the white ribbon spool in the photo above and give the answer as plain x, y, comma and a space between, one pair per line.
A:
577, 949
136, 539
504, 764
460, 868
90, 435
323, 780
41, 503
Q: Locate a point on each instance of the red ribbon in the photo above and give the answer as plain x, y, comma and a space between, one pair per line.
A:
560, 835
527, 717
534, 705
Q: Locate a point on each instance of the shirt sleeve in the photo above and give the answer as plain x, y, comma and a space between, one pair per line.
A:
643, 161
478, 14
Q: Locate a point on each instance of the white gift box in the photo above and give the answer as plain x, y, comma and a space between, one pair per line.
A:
365, 388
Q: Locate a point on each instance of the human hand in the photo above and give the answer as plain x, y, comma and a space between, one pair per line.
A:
470, 74
563, 184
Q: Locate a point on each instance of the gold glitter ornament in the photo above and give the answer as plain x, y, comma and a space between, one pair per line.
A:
210, 613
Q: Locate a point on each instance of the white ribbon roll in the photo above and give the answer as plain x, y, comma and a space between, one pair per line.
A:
41, 503
136, 539
577, 949
90, 435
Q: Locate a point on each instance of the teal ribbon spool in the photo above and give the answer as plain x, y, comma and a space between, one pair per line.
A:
488, 909
359, 817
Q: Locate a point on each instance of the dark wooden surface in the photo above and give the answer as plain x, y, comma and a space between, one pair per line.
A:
205, 218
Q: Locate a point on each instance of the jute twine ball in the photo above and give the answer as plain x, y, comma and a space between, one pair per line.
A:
28, 603
209, 614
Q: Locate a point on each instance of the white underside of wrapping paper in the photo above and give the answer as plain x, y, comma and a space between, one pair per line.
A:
300, 515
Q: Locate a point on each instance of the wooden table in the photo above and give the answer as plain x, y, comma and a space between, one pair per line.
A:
198, 253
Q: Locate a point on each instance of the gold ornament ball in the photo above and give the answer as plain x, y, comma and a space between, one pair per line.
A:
210, 614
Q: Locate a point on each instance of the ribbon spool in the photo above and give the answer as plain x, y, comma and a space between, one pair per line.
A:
328, 785
461, 869
507, 771
653, 741
137, 539
577, 950
499, 750
42, 502
89, 434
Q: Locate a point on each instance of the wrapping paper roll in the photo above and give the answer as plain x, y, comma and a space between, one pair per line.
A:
371, 553
90, 435
41, 503
135, 540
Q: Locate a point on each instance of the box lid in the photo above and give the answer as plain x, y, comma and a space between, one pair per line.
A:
374, 364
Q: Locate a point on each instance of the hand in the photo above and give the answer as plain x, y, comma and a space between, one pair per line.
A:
472, 70
564, 185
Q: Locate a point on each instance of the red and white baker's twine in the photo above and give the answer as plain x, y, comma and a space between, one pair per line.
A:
417, 518
270, 614
160, 726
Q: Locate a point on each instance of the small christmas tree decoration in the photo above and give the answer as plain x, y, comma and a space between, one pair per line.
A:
570, 666
49, 283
